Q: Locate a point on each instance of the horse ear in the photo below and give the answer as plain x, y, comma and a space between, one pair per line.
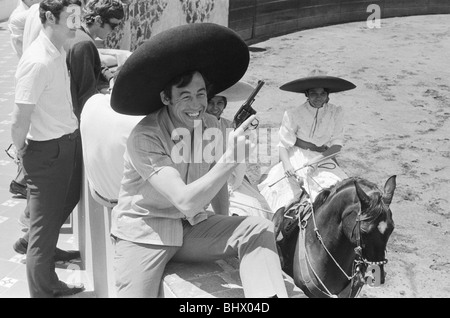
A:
389, 189
364, 199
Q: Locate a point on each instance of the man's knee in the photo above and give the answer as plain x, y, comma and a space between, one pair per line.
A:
258, 228
261, 224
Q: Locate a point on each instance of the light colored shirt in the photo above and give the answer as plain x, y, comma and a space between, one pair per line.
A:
42, 79
322, 126
32, 27
16, 25
144, 215
104, 134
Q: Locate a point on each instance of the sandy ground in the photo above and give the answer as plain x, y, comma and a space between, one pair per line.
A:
397, 124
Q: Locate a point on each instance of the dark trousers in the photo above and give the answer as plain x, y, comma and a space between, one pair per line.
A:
53, 173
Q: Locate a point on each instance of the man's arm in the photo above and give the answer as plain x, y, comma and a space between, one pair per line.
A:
193, 197
21, 120
81, 60
16, 26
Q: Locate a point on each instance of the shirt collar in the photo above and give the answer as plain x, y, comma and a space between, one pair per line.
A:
51, 48
313, 109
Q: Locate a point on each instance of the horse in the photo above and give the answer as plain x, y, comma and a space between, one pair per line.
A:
340, 240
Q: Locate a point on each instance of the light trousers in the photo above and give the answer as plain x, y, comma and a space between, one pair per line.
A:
139, 267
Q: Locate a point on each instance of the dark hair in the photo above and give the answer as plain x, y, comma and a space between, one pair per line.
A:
55, 7
182, 81
105, 9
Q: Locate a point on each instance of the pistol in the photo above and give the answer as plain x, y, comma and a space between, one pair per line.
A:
246, 110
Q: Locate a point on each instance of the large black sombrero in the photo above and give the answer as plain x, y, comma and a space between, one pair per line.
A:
214, 50
318, 79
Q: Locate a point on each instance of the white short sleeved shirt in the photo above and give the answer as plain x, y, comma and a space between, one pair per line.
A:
42, 79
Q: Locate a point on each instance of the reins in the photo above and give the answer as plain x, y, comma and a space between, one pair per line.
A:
319, 238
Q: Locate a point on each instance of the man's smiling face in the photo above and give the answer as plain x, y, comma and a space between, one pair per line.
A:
188, 103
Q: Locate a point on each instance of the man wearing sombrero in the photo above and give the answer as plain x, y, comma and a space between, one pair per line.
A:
309, 132
160, 215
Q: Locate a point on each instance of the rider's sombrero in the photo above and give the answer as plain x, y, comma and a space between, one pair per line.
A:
216, 51
238, 92
318, 79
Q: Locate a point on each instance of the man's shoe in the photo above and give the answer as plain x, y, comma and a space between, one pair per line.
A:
20, 246
66, 256
18, 189
65, 289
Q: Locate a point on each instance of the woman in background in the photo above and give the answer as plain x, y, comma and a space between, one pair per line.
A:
308, 133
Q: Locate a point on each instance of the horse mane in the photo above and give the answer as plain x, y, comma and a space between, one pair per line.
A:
377, 207
332, 190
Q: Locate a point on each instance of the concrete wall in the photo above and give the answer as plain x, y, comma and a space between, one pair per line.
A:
257, 20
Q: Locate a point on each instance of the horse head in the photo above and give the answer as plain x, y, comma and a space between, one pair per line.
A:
373, 226
345, 239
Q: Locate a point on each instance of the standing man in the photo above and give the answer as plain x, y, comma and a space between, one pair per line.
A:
45, 132
87, 74
33, 26
16, 24
160, 215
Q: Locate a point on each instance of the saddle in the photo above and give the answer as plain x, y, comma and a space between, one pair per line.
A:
286, 221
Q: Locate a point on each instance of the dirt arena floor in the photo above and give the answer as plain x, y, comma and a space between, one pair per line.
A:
397, 124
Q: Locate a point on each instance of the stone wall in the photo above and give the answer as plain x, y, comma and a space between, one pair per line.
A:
145, 18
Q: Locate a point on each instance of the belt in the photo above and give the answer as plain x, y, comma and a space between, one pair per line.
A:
112, 202
71, 136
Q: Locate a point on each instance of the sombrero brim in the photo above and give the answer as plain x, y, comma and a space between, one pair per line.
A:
216, 51
333, 84
238, 92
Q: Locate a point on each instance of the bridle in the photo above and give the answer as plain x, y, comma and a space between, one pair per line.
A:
359, 266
